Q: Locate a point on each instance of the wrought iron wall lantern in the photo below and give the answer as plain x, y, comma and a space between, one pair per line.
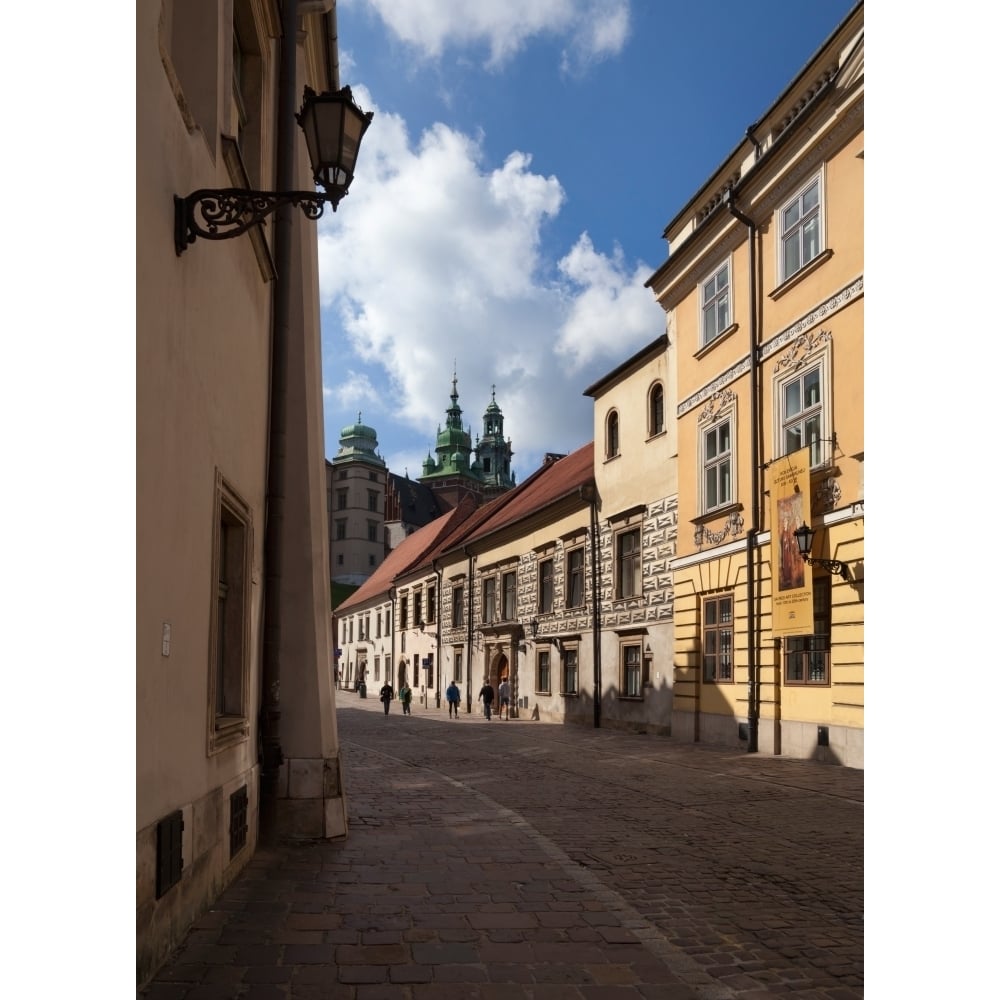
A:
533, 625
333, 126
804, 538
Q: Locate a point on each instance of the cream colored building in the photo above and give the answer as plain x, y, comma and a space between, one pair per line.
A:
226, 722
764, 294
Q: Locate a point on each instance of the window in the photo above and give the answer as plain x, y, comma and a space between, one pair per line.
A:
807, 657
378, 624
388, 619
378, 668
372, 531
801, 399
574, 572
628, 564
231, 573
373, 476
457, 606
418, 599
509, 582
341, 529
542, 672
372, 500
715, 305
801, 230
341, 499
570, 670
489, 599
718, 474
368, 626
371, 560
404, 611
431, 605
458, 666
545, 580
717, 640
340, 558
656, 410
631, 661
611, 446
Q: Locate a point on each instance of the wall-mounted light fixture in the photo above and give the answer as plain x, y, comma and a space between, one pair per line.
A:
333, 125
533, 625
804, 538
421, 625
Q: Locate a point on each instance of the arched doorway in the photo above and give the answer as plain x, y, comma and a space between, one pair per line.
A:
401, 673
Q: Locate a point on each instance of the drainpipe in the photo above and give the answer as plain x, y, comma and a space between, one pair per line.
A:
437, 619
753, 680
392, 631
589, 492
468, 670
274, 555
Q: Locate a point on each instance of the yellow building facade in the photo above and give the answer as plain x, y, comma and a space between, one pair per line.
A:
764, 295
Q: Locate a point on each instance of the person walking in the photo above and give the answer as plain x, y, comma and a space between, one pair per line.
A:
385, 696
454, 697
405, 697
504, 692
486, 697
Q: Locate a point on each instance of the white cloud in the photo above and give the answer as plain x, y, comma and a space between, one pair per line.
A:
434, 263
591, 29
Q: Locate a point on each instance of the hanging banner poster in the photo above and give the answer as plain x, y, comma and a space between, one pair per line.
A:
791, 575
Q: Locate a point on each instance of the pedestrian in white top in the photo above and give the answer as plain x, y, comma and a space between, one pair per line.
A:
504, 692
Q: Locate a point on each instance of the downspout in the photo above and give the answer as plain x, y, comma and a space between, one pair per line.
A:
468, 682
392, 631
437, 618
753, 667
595, 597
274, 556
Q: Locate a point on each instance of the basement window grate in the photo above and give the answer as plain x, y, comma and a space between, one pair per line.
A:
237, 821
169, 854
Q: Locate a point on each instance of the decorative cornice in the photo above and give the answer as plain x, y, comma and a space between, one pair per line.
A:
715, 387
832, 305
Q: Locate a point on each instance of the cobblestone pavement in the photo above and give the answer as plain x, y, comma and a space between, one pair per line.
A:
510, 859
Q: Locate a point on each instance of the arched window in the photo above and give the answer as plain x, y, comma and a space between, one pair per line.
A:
656, 410
612, 446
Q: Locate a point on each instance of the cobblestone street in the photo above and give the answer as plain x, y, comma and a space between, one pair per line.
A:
517, 859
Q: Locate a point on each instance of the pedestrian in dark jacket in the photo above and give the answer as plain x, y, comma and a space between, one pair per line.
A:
454, 696
385, 696
486, 697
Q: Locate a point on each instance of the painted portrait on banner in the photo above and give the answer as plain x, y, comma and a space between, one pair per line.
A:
791, 576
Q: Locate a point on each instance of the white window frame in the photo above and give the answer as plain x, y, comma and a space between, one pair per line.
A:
785, 230
726, 416
820, 360
635, 560
712, 299
614, 416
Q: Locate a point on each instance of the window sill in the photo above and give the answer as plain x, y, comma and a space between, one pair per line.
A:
658, 434
725, 335
612, 458
718, 512
631, 697
818, 261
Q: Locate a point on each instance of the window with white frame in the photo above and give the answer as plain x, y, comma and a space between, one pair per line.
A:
570, 670
715, 311
801, 225
717, 465
431, 606
804, 411
459, 665
457, 606
656, 410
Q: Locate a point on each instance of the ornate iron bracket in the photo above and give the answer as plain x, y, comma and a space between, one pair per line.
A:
830, 565
228, 212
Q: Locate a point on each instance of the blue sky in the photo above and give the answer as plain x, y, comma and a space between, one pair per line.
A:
511, 195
